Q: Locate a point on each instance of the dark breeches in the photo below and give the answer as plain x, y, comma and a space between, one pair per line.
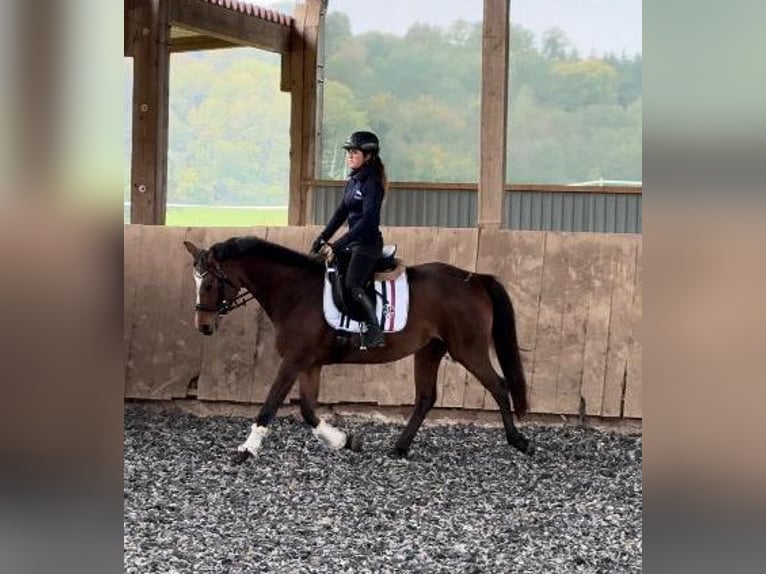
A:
361, 265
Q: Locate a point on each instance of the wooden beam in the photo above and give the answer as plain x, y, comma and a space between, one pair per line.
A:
236, 27
295, 69
284, 78
196, 43
315, 10
303, 115
129, 26
150, 112
494, 112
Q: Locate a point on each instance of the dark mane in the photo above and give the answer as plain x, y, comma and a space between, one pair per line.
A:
240, 246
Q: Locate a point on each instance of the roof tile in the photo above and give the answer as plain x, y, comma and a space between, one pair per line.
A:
255, 11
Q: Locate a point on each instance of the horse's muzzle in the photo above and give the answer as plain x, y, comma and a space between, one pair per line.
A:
204, 325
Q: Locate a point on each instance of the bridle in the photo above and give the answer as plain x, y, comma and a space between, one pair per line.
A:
225, 306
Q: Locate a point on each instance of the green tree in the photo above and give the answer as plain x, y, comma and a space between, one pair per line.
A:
581, 83
233, 147
343, 115
556, 44
570, 119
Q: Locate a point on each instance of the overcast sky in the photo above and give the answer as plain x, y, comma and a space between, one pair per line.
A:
592, 25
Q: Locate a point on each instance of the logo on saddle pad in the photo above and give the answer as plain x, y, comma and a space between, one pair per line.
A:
392, 303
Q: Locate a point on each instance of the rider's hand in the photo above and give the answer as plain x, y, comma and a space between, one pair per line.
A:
326, 251
317, 245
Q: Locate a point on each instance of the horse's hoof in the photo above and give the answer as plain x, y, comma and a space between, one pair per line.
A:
398, 453
354, 443
241, 456
523, 444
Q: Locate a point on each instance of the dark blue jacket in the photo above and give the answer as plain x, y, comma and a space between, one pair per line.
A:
362, 200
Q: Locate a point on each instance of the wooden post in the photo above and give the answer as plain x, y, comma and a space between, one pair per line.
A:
314, 22
494, 112
296, 88
129, 26
303, 110
151, 63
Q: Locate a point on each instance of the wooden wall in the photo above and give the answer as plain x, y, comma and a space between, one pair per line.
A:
577, 298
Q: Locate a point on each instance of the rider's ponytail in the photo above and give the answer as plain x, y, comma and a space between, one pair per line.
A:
380, 167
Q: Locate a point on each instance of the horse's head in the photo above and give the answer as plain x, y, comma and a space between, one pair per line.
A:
215, 289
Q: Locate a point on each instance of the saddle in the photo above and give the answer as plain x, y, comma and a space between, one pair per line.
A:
387, 268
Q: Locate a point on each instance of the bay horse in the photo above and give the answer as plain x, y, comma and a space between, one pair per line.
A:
451, 311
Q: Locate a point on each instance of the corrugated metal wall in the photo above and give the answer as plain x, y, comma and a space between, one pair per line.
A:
409, 207
523, 210
560, 211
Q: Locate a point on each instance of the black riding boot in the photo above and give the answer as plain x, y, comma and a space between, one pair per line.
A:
374, 336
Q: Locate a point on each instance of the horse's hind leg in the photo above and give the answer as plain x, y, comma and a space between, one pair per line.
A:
482, 369
324, 431
309, 388
427, 362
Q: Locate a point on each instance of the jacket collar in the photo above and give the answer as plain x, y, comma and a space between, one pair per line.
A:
362, 173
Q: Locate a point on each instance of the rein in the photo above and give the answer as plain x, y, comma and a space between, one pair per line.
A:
239, 301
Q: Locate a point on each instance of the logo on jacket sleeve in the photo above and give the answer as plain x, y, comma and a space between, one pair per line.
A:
358, 193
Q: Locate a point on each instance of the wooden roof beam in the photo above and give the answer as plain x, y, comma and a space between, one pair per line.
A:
195, 43
229, 25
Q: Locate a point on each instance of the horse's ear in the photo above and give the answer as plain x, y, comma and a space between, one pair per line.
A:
191, 248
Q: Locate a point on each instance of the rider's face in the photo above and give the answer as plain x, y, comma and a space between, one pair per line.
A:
354, 158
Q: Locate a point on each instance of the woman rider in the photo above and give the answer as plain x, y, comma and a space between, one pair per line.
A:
361, 205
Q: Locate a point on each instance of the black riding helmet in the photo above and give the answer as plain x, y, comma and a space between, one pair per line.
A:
365, 141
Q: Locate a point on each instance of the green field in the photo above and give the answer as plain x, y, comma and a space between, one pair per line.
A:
201, 216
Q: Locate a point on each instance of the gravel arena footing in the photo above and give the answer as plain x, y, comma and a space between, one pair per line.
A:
464, 501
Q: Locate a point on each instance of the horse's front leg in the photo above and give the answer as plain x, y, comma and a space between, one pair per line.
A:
286, 375
329, 435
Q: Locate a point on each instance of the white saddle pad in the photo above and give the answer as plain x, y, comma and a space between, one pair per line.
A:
392, 304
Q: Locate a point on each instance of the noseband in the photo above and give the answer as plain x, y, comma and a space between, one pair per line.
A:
224, 306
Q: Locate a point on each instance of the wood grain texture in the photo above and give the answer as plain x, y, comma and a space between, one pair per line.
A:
149, 131
296, 88
577, 300
231, 26
620, 326
576, 287
597, 324
633, 400
165, 347
494, 111
132, 272
548, 341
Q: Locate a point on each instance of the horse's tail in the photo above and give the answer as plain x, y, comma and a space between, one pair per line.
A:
506, 343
